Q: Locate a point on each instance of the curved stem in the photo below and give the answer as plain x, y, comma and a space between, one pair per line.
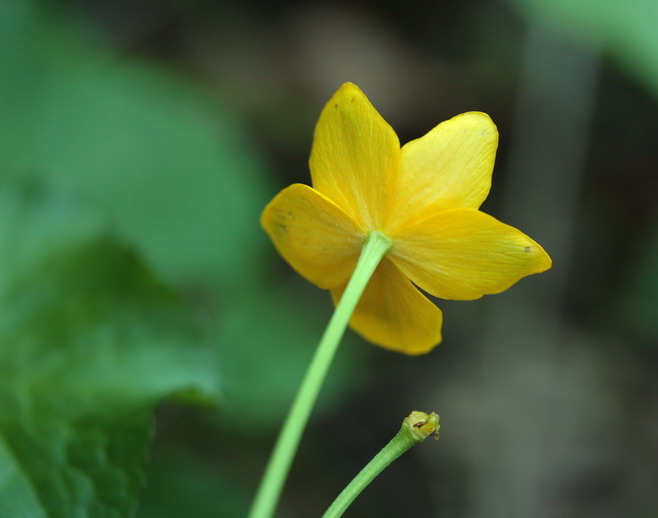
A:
415, 428
375, 247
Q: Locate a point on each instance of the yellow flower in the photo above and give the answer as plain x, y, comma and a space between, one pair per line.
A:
424, 196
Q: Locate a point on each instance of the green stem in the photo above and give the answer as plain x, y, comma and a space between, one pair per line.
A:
415, 428
375, 247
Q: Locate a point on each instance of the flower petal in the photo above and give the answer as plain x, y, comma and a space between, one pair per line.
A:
463, 254
355, 156
449, 167
392, 313
313, 234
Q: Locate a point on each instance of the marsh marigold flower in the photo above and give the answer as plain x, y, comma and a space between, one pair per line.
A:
424, 196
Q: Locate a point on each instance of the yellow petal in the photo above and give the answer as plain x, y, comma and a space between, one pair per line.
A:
313, 234
449, 167
463, 254
392, 313
355, 156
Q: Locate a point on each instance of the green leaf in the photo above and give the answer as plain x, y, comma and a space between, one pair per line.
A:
170, 164
268, 339
625, 28
90, 343
182, 484
640, 288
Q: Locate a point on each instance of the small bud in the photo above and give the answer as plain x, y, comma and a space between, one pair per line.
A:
422, 425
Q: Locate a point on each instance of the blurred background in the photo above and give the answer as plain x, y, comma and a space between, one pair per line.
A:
177, 122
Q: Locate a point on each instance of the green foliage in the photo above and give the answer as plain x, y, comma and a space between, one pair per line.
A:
119, 179
641, 288
90, 343
267, 342
627, 29
181, 485
166, 162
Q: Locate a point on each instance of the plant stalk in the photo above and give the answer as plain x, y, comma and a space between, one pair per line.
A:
375, 247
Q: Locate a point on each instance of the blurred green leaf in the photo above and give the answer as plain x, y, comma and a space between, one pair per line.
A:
625, 28
178, 180
640, 296
267, 340
90, 343
172, 167
181, 485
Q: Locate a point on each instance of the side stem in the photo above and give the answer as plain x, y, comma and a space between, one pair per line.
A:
416, 427
269, 491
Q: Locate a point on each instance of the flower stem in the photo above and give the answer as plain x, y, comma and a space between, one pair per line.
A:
416, 427
375, 247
